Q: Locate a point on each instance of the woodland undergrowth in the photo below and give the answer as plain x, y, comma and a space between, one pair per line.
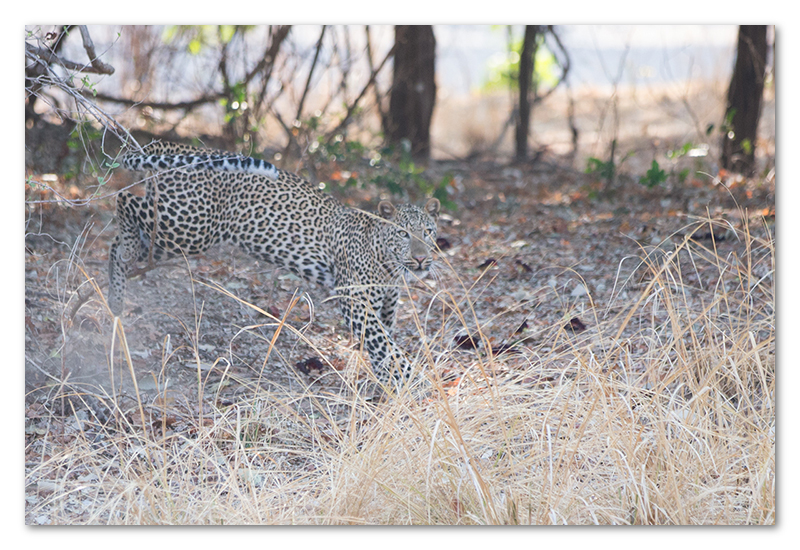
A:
662, 413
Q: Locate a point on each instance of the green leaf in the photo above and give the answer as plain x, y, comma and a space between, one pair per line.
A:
170, 32
226, 33
600, 168
727, 125
394, 188
682, 152
503, 68
654, 176
195, 45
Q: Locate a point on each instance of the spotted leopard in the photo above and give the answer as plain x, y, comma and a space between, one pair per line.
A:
200, 197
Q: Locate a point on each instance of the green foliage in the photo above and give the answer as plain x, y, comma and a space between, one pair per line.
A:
603, 169
696, 151
608, 169
726, 127
226, 33
675, 154
90, 85
503, 69
81, 134
391, 168
82, 140
441, 191
398, 172
33, 183
200, 36
747, 146
338, 150
236, 103
654, 176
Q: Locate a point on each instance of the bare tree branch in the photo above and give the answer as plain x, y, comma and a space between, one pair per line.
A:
375, 89
310, 73
292, 144
346, 120
564, 68
58, 41
267, 61
280, 120
88, 45
48, 56
269, 58
159, 104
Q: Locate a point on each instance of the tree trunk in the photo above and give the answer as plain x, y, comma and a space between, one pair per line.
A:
744, 100
413, 92
526, 68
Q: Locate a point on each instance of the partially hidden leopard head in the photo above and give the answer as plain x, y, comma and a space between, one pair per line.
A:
409, 235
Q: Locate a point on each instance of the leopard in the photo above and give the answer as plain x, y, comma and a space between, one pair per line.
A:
196, 198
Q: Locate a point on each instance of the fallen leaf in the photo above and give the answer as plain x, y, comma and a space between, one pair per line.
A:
579, 291
465, 341
312, 366
525, 267
575, 325
505, 348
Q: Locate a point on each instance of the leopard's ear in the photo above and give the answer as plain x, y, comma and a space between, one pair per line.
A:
386, 210
432, 207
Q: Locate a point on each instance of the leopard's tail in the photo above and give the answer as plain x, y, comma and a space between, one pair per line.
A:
200, 161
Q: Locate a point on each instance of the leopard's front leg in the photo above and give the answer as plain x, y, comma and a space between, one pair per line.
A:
389, 307
389, 363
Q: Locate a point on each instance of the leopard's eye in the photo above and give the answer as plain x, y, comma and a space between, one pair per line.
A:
404, 234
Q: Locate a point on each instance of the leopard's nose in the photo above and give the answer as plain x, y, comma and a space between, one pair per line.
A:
420, 261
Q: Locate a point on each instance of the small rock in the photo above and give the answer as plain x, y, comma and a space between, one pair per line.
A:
579, 291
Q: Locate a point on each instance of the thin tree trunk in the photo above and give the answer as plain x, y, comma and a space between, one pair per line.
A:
526, 68
413, 92
744, 99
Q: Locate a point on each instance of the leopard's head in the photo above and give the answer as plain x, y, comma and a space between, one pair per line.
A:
409, 235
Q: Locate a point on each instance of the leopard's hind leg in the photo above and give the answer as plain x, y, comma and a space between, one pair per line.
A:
128, 247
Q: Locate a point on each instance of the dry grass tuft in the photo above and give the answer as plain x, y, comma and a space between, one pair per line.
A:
662, 413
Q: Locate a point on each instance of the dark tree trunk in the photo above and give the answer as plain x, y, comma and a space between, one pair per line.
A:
413, 92
744, 99
526, 68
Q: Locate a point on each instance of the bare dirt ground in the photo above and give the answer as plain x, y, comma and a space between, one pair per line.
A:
528, 238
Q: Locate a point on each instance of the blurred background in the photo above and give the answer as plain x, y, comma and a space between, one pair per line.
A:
609, 98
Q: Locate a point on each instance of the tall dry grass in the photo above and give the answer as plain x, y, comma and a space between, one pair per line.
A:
663, 412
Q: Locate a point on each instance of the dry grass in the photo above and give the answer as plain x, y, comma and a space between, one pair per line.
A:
662, 412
